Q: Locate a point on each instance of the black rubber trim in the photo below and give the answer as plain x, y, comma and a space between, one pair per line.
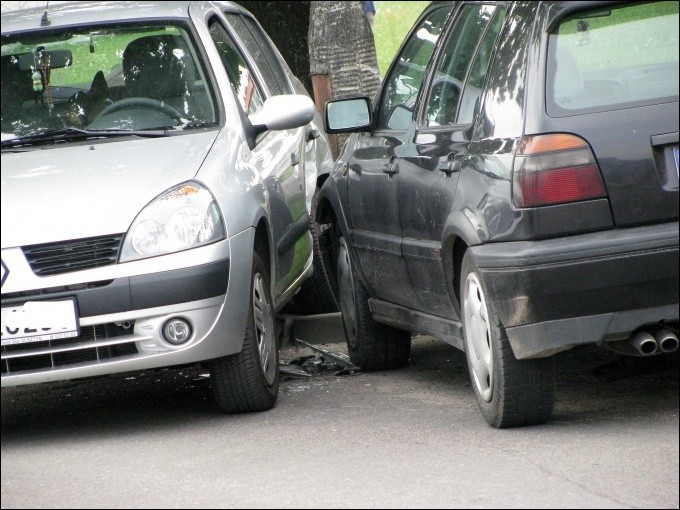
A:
401, 317
144, 291
295, 232
179, 285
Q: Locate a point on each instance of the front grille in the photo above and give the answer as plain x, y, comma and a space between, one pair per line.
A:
67, 256
7, 299
95, 344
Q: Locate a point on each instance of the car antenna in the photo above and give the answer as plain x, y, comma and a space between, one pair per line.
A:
44, 22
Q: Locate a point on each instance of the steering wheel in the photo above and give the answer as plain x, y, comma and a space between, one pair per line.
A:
142, 102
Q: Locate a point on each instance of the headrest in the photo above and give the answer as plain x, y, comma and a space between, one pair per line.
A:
17, 84
157, 66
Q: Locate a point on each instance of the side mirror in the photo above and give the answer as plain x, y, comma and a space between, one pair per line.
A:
278, 113
348, 115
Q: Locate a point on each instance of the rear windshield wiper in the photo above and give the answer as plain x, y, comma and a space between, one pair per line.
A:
55, 135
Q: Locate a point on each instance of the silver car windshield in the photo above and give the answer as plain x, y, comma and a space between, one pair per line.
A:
110, 78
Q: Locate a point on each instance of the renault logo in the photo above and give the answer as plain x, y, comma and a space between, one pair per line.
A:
5, 272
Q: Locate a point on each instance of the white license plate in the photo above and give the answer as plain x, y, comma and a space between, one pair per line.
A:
37, 321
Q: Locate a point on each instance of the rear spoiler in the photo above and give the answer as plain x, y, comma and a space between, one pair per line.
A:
564, 11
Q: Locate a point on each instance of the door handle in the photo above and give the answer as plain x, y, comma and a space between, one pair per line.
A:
312, 135
392, 167
452, 163
294, 159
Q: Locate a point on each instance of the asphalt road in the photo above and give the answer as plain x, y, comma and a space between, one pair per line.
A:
407, 438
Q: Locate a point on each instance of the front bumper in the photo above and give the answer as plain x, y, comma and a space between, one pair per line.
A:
557, 293
121, 318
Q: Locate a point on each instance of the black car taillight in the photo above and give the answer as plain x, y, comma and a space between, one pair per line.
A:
555, 169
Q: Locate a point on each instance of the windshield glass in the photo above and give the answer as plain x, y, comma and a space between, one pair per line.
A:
124, 77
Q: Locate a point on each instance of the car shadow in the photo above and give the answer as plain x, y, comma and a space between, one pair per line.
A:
115, 405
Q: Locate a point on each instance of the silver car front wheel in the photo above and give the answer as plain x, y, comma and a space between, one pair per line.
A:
263, 316
249, 380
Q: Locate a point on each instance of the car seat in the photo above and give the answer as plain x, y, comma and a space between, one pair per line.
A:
159, 67
17, 87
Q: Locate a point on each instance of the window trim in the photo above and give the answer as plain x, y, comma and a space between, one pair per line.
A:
270, 47
381, 91
421, 127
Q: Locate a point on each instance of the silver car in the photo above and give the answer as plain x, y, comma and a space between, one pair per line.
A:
159, 162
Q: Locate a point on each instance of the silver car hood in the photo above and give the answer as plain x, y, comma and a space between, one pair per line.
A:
84, 190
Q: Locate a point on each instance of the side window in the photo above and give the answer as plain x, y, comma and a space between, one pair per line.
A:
403, 83
447, 83
263, 54
478, 69
242, 80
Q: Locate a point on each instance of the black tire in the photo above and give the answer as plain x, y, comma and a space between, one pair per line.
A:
239, 381
516, 392
316, 294
371, 346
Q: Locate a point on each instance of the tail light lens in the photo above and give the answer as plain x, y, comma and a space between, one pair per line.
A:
555, 169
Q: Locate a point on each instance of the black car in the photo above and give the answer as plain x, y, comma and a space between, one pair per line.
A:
512, 190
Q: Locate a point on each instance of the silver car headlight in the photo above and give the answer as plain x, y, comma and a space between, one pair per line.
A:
183, 217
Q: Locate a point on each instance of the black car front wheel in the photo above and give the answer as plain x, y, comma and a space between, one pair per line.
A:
371, 346
316, 293
510, 392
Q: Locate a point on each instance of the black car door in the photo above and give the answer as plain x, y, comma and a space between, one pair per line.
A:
431, 162
373, 168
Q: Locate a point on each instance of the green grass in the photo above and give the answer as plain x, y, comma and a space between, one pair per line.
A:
392, 22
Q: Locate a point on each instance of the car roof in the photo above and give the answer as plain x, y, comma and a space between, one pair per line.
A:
81, 13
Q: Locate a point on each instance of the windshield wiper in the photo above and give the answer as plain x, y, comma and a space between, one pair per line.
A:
55, 135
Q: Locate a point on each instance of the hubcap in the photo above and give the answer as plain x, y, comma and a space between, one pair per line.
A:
478, 336
346, 291
264, 329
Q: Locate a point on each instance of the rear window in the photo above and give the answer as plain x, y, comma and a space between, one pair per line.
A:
613, 58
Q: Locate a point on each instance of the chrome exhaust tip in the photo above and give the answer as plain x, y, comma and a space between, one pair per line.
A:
666, 340
644, 343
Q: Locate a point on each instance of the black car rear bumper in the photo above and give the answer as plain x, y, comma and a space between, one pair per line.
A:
556, 293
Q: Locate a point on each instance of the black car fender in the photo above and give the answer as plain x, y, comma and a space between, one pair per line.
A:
460, 232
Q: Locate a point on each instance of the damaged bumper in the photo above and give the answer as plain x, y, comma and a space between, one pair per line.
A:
557, 293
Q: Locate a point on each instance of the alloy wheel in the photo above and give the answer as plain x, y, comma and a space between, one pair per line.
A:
264, 329
478, 336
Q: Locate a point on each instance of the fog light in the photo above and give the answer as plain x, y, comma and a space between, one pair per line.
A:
176, 331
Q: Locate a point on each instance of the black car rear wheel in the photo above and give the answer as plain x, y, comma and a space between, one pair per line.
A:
510, 392
371, 346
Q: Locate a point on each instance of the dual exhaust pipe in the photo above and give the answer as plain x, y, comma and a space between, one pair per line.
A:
648, 344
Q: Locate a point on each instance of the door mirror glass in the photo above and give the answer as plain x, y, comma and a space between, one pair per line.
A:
348, 115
